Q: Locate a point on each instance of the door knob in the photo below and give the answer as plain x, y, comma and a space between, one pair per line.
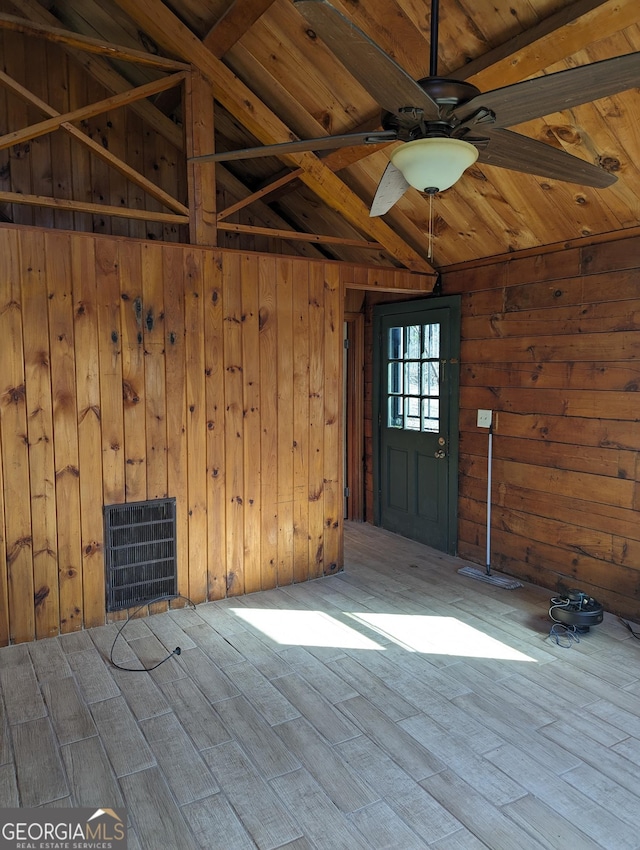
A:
440, 453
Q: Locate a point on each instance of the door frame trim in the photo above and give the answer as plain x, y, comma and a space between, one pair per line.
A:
354, 410
453, 304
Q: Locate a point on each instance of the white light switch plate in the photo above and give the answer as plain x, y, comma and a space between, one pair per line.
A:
484, 418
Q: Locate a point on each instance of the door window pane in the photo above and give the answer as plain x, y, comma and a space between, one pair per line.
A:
412, 414
413, 389
395, 344
430, 378
431, 341
412, 371
413, 341
430, 414
395, 417
395, 377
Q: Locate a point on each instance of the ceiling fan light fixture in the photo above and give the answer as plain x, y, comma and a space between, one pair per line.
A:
433, 165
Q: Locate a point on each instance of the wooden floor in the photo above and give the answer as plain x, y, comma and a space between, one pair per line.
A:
397, 705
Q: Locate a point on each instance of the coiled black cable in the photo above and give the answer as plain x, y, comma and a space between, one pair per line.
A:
144, 669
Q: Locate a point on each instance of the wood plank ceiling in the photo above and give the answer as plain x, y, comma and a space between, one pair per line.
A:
275, 80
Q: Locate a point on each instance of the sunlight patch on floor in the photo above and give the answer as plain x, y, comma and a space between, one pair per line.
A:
439, 636
304, 628
431, 635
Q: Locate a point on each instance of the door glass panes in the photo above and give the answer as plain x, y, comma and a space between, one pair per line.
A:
412, 414
396, 369
413, 341
430, 414
431, 341
395, 418
430, 378
413, 388
395, 344
412, 371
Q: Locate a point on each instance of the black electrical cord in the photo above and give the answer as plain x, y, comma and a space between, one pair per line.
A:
636, 635
143, 669
559, 630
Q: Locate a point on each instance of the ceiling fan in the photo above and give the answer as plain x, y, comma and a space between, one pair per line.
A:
445, 124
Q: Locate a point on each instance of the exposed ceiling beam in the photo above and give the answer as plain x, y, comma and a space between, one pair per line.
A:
199, 127
550, 41
261, 212
94, 209
91, 45
238, 18
261, 193
298, 236
102, 71
170, 33
34, 131
97, 149
228, 30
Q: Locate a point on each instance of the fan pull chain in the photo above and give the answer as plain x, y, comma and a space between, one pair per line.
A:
430, 239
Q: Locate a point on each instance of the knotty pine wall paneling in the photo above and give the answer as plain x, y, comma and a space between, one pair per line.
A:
251, 421
551, 345
176, 400
18, 592
84, 283
65, 431
40, 437
215, 418
268, 402
135, 370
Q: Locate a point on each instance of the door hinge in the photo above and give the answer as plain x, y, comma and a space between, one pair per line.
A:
346, 493
347, 343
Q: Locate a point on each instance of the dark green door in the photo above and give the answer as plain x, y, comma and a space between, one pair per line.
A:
416, 407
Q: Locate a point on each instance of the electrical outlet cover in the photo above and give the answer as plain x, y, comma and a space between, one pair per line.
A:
484, 418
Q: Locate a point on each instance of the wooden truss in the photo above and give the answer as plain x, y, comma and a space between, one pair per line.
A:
198, 137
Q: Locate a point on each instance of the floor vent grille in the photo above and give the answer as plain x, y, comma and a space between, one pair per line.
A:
140, 552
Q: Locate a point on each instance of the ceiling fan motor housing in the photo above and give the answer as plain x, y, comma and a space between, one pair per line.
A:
411, 123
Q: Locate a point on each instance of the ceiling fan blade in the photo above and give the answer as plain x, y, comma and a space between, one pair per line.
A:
323, 143
391, 188
519, 153
543, 95
374, 69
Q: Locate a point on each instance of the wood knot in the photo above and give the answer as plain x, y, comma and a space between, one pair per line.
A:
17, 395
129, 393
40, 595
611, 164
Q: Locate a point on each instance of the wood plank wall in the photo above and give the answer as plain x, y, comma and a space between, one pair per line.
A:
551, 344
133, 370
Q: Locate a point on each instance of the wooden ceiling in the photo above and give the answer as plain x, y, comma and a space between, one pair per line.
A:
274, 80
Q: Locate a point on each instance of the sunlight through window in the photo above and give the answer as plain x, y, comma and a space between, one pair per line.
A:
304, 628
439, 636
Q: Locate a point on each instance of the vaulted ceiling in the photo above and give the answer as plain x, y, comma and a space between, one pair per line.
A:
274, 80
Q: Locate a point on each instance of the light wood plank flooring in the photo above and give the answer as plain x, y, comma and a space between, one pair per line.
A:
396, 705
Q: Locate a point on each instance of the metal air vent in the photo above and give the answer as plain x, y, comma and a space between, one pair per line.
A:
140, 552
